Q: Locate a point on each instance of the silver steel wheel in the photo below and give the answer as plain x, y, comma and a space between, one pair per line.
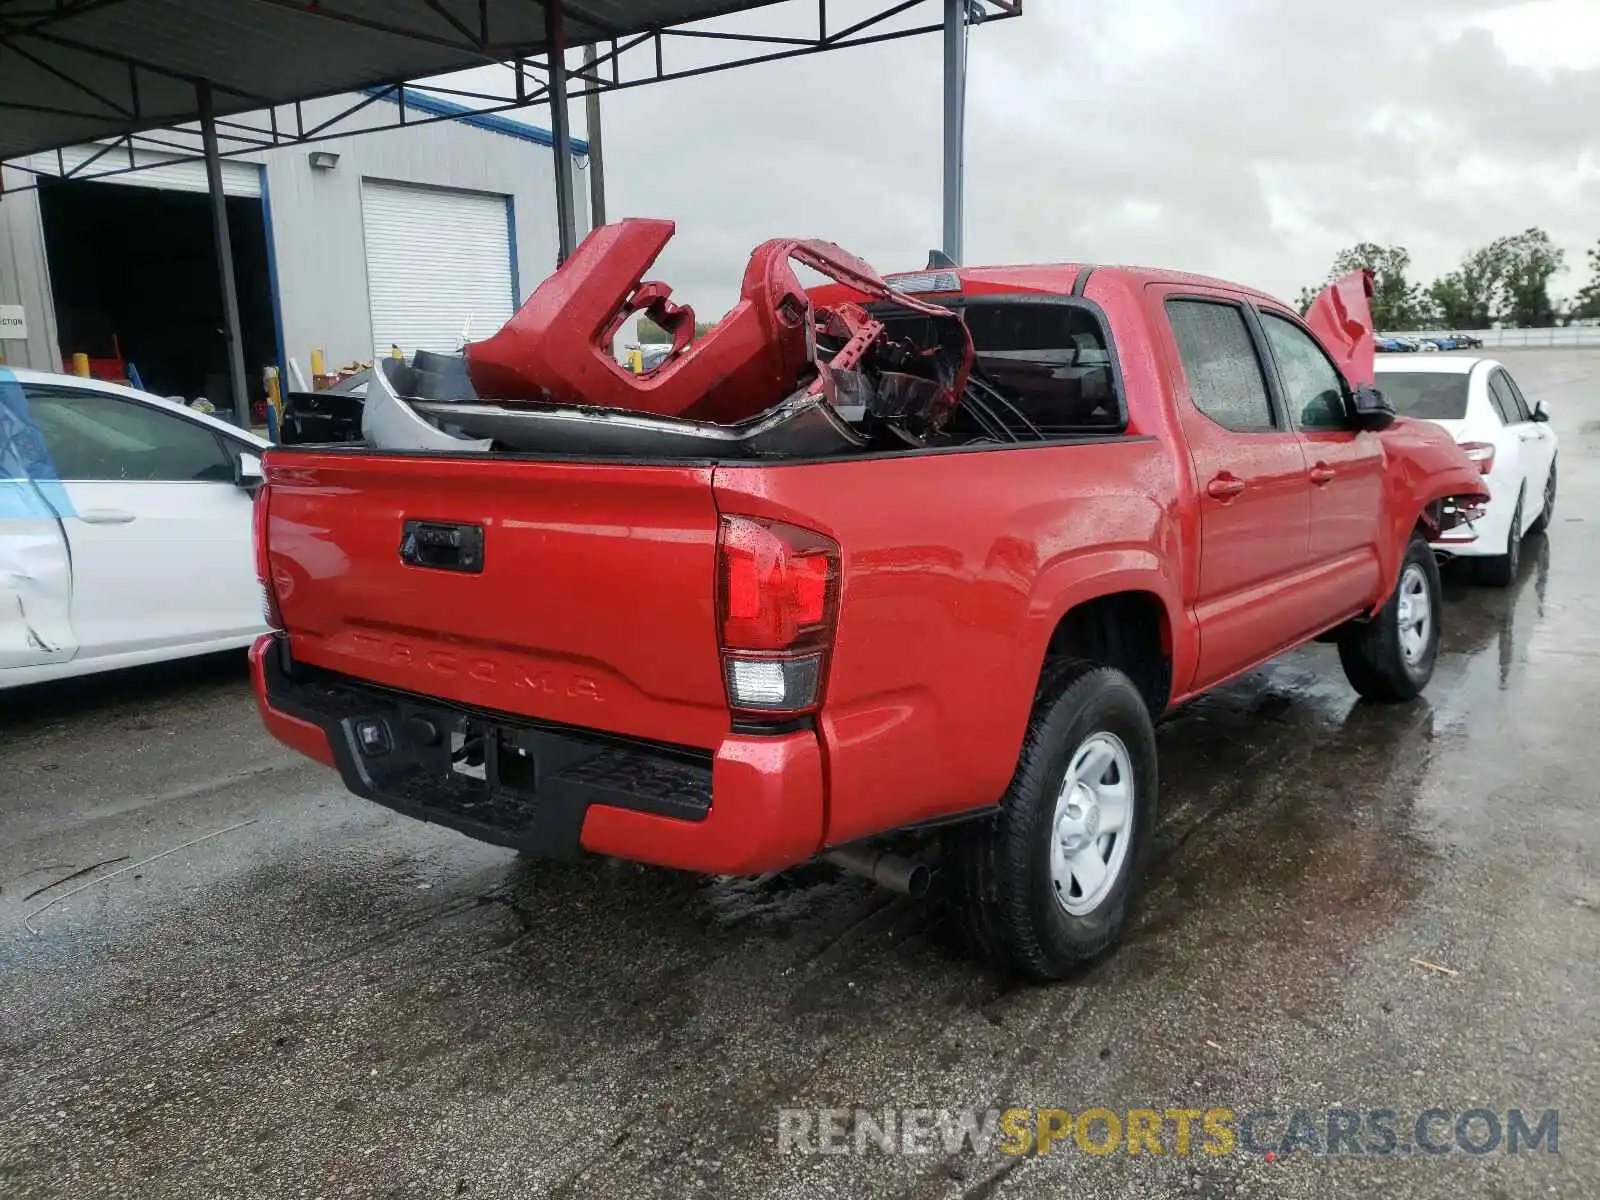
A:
1415, 613
1092, 827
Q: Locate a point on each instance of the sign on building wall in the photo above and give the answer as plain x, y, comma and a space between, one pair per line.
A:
13, 323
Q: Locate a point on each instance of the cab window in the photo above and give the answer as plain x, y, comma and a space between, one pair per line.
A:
1313, 389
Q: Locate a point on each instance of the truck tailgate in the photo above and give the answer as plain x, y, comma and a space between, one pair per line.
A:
591, 601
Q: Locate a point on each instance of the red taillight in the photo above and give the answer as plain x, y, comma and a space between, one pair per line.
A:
269, 595
779, 585
777, 601
1481, 453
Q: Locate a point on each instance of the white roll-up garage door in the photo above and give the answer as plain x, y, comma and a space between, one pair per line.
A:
438, 265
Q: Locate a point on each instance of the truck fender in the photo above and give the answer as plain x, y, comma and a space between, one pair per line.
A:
1077, 579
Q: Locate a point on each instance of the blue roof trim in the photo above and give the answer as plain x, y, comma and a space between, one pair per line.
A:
493, 122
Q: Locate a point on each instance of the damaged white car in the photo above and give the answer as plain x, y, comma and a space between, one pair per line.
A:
124, 529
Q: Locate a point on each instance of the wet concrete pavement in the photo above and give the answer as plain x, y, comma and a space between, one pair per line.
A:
333, 1001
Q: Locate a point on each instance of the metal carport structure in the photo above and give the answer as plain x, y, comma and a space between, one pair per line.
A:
210, 78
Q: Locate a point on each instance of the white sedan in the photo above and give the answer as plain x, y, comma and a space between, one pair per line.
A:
125, 529
1482, 407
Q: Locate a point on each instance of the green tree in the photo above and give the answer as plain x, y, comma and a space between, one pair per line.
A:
1469, 296
1587, 303
1452, 306
1308, 297
1507, 281
1396, 301
1526, 263
651, 334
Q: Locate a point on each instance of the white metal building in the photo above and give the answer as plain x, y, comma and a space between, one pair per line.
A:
399, 236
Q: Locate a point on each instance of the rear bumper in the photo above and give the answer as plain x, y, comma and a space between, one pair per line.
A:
1486, 536
754, 804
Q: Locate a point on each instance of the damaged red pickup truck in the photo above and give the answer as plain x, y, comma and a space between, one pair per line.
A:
887, 555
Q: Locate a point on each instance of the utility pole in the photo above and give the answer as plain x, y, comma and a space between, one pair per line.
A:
955, 120
556, 44
597, 162
232, 336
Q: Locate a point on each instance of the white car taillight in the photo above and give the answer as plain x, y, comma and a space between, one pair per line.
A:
1481, 453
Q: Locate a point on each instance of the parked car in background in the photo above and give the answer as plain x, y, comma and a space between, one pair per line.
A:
1482, 407
126, 535
1466, 341
1394, 345
1443, 342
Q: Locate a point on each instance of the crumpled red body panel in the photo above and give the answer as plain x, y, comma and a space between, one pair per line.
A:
554, 349
1341, 317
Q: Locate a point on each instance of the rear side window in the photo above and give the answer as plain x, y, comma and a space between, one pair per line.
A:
1426, 395
1220, 363
1500, 396
1520, 406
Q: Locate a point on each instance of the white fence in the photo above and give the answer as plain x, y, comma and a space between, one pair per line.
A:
1494, 339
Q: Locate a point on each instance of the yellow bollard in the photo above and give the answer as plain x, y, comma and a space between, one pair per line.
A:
636, 360
318, 366
269, 382
80, 365
396, 352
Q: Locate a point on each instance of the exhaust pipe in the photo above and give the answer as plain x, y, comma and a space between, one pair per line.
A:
899, 874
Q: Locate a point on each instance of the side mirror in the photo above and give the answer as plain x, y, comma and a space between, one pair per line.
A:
247, 470
1541, 411
1373, 410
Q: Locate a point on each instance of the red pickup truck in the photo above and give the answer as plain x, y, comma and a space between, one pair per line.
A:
735, 661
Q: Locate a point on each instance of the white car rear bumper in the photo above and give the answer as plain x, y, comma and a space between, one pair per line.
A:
1492, 532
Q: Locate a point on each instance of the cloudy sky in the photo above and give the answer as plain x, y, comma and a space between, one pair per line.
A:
1244, 138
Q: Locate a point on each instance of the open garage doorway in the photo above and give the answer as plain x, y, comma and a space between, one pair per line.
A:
134, 269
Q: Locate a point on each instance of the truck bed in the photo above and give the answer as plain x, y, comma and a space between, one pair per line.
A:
595, 605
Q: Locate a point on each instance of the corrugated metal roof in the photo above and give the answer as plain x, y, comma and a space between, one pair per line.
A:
81, 70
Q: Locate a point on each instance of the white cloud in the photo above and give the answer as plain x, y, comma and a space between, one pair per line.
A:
1250, 139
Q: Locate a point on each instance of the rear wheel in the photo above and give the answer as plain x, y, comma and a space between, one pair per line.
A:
1542, 521
1391, 656
1047, 883
1500, 570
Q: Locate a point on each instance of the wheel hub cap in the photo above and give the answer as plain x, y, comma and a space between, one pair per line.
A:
1414, 613
1093, 823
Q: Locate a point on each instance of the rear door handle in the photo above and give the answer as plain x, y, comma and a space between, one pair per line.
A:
1224, 487
1322, 473
104, 516
1526, 437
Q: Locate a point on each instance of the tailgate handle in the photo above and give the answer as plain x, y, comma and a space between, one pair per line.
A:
442, 545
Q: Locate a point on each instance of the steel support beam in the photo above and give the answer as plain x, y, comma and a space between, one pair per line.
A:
561, 133
633, 61
597, 161
955, 120
232, 336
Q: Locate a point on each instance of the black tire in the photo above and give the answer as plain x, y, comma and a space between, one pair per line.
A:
1500, 570
1542, 521
1374, 659
998, 870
